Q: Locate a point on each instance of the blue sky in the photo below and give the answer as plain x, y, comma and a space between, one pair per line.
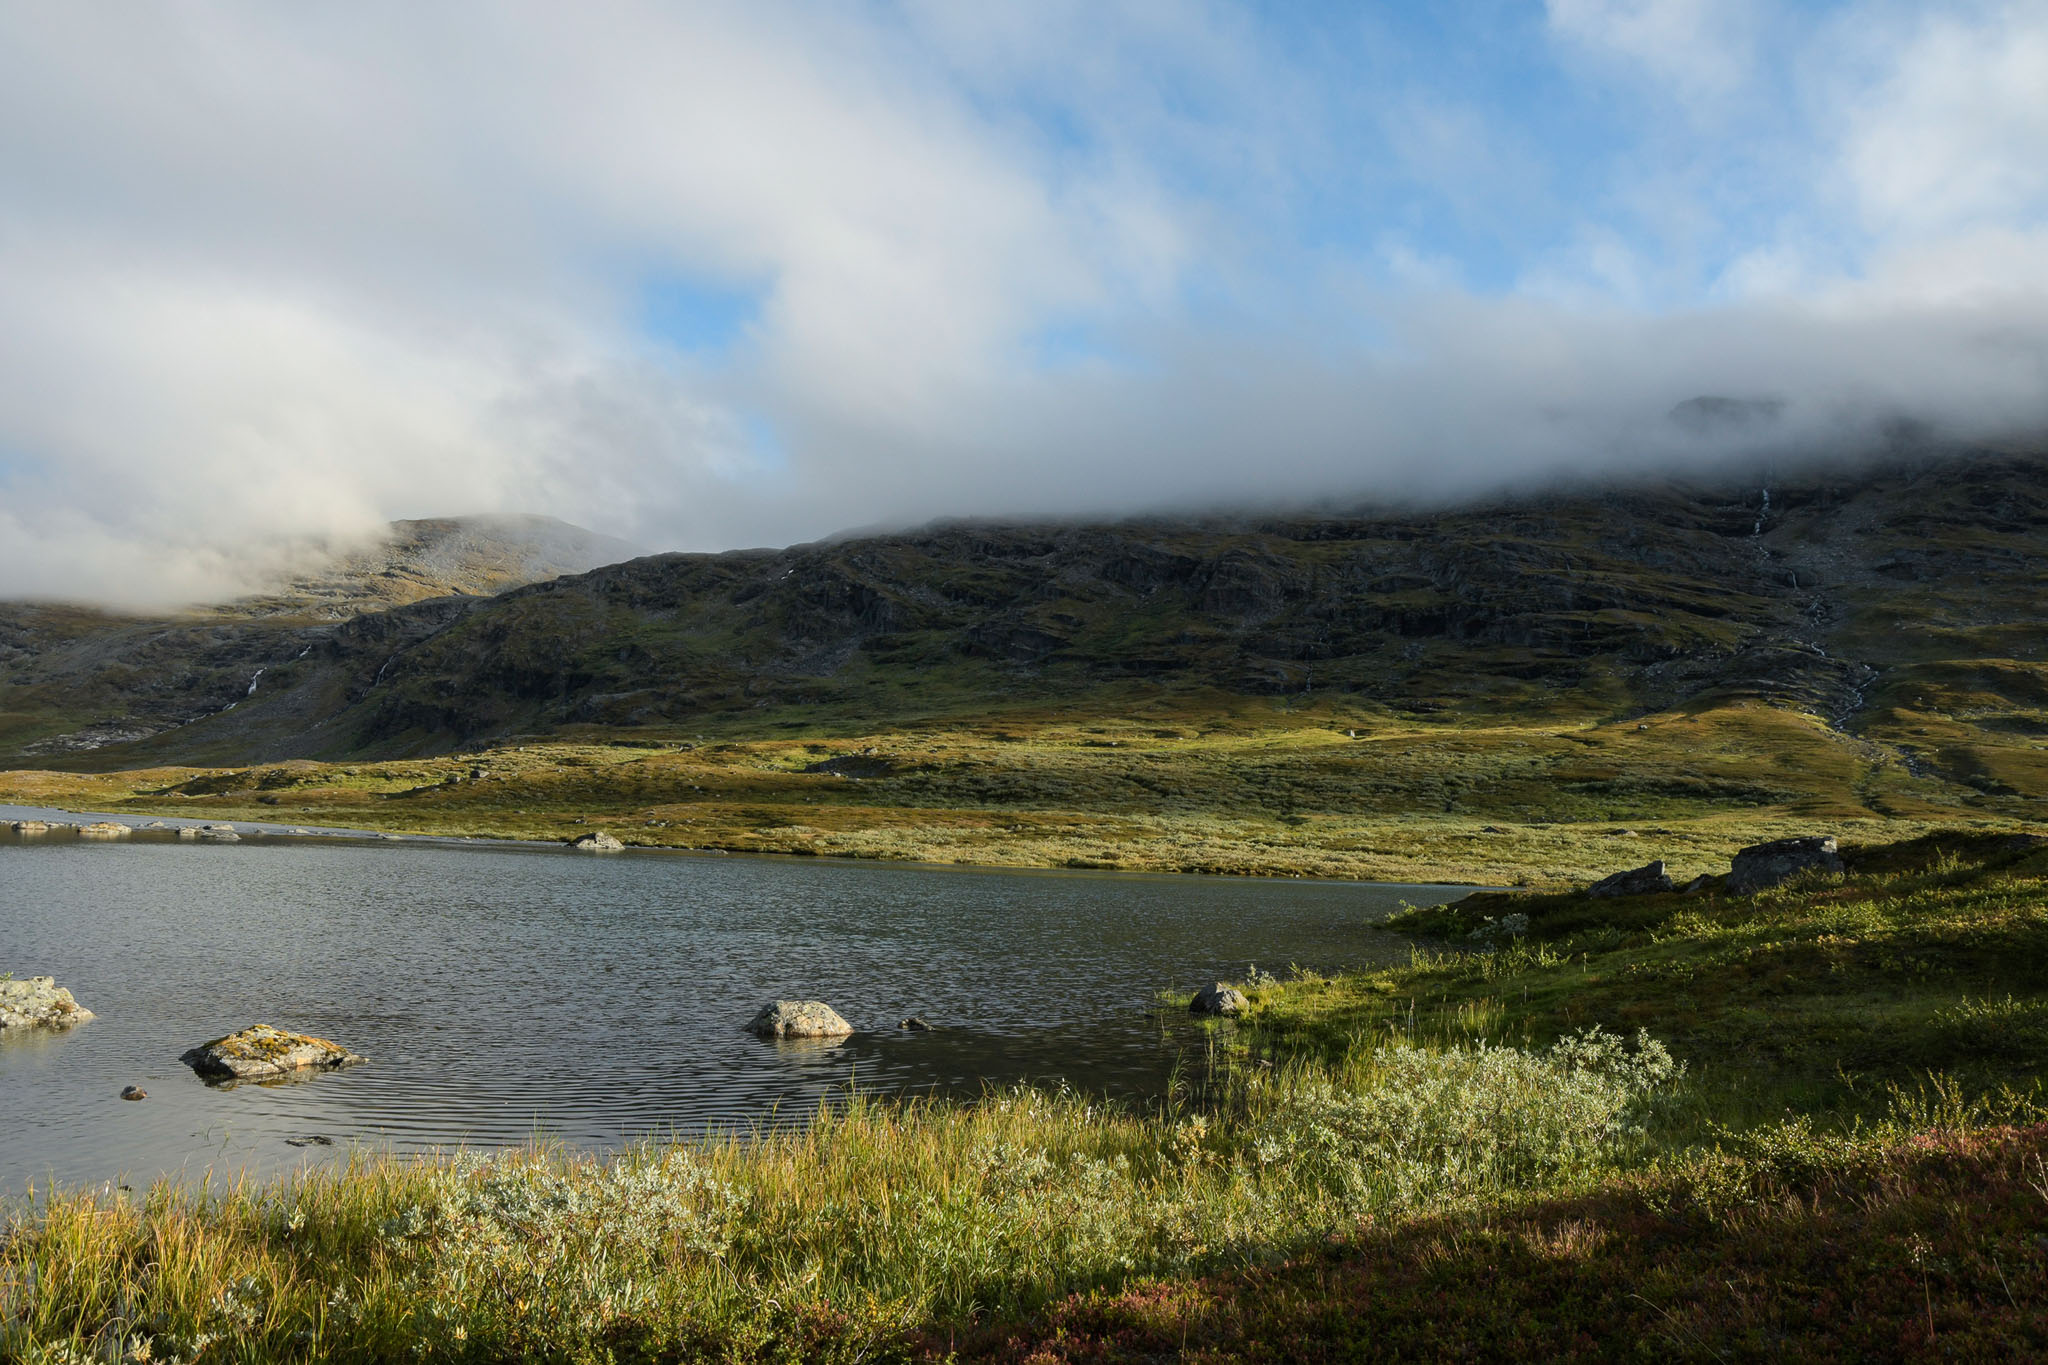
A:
712, 274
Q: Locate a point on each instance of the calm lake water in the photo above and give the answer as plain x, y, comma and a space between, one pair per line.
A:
502, 992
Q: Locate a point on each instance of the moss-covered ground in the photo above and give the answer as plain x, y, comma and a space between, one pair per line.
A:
1325, 787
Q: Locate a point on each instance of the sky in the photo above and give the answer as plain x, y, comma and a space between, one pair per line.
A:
709, 275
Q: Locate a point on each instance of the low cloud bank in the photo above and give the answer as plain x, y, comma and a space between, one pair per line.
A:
270, 278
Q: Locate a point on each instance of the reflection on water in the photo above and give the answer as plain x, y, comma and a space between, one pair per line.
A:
504, 993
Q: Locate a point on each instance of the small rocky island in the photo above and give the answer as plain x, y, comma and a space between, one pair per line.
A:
262, 1051
799, 1019
38, 1002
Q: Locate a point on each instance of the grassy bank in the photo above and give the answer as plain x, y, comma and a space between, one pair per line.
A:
1805, 1124
1324, 787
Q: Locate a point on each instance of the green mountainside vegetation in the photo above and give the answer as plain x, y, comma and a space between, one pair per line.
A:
1539, 686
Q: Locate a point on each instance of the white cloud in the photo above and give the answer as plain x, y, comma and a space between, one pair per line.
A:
1698, 49
1954, 136
269, 272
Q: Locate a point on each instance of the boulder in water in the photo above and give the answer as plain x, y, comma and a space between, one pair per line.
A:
31, 826
38, 1002
263, 1051
104, 829
799, 1019
1762, 866
597, 841
1647, 880
1219, 999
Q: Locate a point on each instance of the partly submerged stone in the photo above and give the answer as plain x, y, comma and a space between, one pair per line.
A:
217, 834
104, 829
799, 1019
597, 841
1219, 999
915, 1024
134, 1092
31, 826
38, 1002
1647, 880
1762, 866
265, 1051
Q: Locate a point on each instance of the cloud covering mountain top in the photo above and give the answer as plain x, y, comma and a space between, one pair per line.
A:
708, 275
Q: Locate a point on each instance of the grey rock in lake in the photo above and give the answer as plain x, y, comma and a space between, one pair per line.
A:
915, 1025
31, 826
187, 832
799, 1019
1647, 880
262, 1051
104, 829
1219, 999
217, 834
38, 1002
597, 841
1762, 866
134, 1092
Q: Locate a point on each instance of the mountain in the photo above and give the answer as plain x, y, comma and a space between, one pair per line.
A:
1901, 605
138, 676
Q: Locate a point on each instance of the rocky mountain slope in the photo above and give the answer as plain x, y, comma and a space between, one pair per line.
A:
1902, 604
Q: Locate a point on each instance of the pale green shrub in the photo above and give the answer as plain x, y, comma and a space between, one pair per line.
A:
1430, 1125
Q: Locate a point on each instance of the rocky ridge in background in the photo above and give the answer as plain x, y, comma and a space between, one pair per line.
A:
1848, 593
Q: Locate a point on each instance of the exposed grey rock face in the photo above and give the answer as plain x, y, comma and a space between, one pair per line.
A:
263, 1051
38, 1002
799, 1019
1219, 999
1647, 880
1762, 866
597, 841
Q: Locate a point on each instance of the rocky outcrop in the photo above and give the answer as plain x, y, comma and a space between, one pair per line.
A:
1762, 866
597, 841
38, 1002
1648, 880
263, 1051
799, 1019
1219, 999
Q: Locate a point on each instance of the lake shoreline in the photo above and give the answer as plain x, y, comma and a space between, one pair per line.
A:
277, 833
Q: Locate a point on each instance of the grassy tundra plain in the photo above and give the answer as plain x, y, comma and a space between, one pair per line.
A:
1806, 1125
1324, 788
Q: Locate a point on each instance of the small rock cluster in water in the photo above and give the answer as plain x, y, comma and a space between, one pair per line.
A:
38, 1002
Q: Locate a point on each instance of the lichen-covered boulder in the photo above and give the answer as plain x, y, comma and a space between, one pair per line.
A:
1219, 999
265, 1051
597, 841
1647, 880
38, 1002
799, 1019
1762, 866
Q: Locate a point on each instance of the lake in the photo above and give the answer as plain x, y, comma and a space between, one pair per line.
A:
507, 992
